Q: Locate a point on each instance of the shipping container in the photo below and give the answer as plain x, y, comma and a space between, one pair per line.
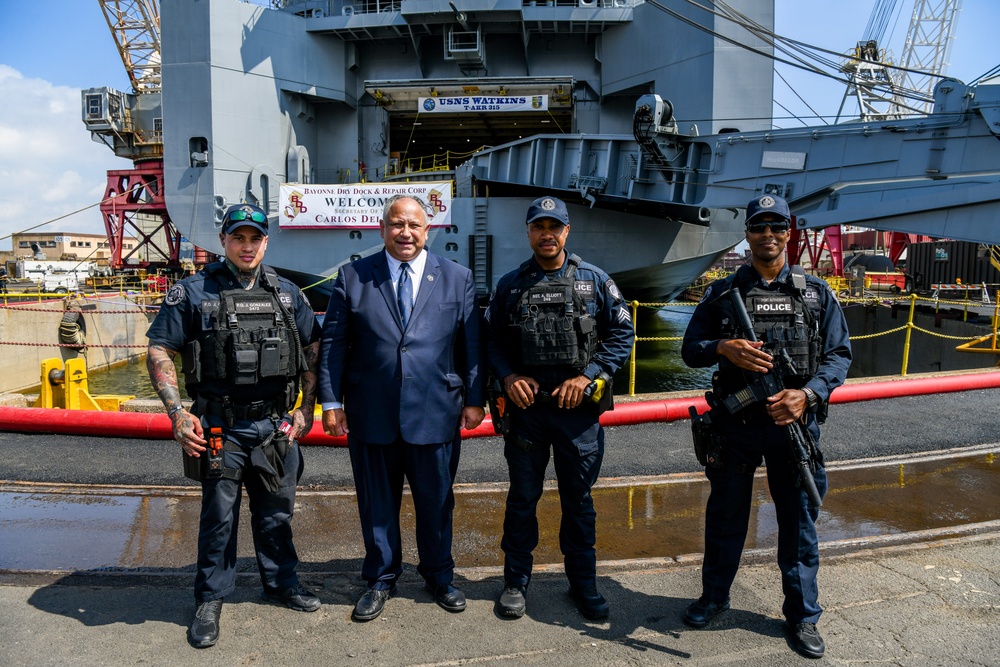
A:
950, 262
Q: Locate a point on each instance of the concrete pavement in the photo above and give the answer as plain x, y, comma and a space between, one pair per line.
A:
924, 605
912, 605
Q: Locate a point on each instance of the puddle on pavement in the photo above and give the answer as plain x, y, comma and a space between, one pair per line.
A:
658, 518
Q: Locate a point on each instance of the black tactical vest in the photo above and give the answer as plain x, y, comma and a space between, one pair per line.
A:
554, 326
786, 319
248, 338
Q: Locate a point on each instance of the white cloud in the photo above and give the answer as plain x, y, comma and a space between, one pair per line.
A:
50, 166
66, 183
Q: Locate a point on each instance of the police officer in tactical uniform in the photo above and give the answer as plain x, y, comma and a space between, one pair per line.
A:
802, 334
557, 329
248, 340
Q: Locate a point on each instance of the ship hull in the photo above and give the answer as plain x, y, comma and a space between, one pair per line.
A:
651, 260
254, 98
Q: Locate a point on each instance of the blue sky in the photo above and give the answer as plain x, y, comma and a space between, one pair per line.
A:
50, 50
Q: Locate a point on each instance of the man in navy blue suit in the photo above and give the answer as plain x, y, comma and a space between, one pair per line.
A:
399, 375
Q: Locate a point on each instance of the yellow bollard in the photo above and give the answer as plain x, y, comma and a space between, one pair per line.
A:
51, 377
77, 394
67, 388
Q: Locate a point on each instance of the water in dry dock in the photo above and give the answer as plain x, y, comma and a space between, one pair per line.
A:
55, 527
658, 363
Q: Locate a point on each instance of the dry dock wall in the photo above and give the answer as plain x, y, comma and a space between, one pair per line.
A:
116, 332
929, 352
29, 333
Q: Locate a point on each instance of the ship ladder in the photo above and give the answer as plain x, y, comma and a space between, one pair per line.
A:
481, 250
995, 256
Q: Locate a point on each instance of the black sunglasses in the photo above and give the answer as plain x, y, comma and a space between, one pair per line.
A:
778, 227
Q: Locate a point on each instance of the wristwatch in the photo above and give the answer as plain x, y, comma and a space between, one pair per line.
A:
812, 400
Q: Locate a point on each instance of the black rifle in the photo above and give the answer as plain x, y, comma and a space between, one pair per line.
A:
768, 384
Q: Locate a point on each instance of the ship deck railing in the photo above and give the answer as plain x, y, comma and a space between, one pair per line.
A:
398, 167
352, 7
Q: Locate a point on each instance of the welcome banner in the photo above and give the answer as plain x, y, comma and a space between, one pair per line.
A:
357, 205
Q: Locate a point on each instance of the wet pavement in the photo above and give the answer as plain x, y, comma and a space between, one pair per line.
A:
932, 605
76, 527
909, 574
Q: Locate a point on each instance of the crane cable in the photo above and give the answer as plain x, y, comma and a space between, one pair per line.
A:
784, 45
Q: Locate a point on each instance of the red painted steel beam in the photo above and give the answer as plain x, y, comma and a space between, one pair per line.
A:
130, 192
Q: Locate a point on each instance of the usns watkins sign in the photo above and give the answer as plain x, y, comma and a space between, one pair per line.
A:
481, 103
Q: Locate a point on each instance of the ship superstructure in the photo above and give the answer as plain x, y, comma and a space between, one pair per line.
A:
336, 92
490, 103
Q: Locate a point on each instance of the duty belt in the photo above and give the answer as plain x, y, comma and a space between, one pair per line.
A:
246, 411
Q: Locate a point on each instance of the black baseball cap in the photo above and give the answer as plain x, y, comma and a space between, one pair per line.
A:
244, 215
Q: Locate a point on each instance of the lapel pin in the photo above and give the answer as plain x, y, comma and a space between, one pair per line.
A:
430, 279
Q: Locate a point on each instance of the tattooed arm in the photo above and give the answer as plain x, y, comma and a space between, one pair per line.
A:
163, 375
303, 416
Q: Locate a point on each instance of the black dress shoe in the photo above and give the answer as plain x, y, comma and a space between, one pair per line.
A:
370, 604
702, 611
512, 602
295, 597
204, 630
806, 639
448, 597
590, 603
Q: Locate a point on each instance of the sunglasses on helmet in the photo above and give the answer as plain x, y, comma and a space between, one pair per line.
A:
241, 215
777, 227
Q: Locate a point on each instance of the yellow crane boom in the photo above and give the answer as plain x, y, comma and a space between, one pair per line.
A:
135, 27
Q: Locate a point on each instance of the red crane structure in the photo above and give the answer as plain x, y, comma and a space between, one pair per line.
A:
131, 125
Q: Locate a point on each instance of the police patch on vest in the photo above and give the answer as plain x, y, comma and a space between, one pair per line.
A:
811, 294
773, 305
174, 295
585, 288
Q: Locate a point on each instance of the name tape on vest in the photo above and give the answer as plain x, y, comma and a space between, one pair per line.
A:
539, 297
248, 306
